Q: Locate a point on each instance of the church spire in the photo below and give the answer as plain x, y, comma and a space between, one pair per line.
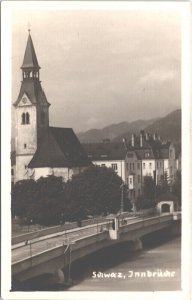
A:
30, 66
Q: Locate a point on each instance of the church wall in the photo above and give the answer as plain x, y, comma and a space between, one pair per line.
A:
66, 173
21, 171
26, 134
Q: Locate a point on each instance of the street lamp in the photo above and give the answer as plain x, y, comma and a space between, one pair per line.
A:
122, 200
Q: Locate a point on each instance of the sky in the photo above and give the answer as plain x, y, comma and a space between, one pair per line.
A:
100, 67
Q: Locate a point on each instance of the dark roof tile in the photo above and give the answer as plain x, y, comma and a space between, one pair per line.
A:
105, 151
60, 148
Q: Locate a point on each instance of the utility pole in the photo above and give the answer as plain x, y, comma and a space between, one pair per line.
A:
122, 200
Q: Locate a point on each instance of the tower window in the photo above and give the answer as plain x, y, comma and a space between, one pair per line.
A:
25, 118
25, 146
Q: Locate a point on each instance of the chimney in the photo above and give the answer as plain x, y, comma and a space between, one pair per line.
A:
146, 136
141, 138
132, 140
125, 143
155, 136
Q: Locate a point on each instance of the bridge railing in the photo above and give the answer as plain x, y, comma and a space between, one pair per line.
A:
33, 247
54, 229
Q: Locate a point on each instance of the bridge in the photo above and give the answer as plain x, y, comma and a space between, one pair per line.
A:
51, 253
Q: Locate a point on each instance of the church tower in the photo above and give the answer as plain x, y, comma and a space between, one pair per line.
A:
32, 113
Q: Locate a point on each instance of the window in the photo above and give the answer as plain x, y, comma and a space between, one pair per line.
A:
171, 170
138, 166
102, 165
143, 165
139, 178
25, 146
133, 166
114, 167
25, 167
150, 165
25, 118
127, 166
147, 154
160, 164
170, 153
12, 172
130, 180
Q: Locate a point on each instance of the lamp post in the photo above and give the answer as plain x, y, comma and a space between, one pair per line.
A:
122, 200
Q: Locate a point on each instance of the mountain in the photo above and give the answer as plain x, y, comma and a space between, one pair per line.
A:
113, 131
168, 127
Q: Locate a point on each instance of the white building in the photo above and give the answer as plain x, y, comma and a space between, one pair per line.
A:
110, 155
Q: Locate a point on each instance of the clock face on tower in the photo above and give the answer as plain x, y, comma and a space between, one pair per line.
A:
24, 100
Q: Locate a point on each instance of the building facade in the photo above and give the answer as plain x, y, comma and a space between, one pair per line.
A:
110, 155
144, 155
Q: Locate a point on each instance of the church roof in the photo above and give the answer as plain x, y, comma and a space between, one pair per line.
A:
30, 58
33, 89
59, 148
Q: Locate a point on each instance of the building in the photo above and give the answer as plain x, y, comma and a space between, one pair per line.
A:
144, 155
110, 155
148, 155
42, 150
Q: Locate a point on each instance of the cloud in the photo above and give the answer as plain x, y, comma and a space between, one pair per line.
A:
157, 77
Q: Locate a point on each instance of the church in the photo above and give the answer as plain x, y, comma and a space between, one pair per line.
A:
42, 150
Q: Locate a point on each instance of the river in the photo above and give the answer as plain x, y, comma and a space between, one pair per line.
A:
156, 268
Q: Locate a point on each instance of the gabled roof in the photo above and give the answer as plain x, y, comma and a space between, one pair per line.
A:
151, 149
59, 148
33, 89
105, 151
30, 58
145, 153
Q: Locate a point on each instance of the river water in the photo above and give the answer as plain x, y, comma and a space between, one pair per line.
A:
156, 268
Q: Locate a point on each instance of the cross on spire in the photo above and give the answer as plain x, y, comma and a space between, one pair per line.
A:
29, 29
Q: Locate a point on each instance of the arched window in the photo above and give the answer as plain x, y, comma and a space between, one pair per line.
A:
27, 118
23, 118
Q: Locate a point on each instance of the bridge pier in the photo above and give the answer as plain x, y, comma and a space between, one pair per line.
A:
59, 277
136, 245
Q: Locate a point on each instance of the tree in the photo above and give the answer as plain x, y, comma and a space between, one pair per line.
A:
177, 186
49, 200
24, 193
94, 192
147, 199
163, 186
